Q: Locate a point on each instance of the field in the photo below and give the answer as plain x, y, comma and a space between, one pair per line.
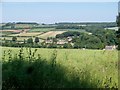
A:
41, 30
97, 67
23, 25
50, 34
8, 32
27, 34
42, 33
113, 28
18, 38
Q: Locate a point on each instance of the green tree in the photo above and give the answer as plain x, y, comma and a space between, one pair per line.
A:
67, 45
36, 39
118, 32
14, 39
30, 41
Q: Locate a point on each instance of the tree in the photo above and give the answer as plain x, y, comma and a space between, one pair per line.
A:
14, 39
67, 45
54, 40
118, 32
24, 41
30, 40
36, 40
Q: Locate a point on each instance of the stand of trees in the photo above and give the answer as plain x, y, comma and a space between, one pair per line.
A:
98, 39
118, 32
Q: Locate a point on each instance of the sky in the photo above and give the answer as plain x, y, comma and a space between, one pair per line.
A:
53, 12
59, 0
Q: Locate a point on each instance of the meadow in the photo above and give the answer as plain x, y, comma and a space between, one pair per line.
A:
72, 67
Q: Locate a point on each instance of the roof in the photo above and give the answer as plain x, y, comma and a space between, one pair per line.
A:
110, 47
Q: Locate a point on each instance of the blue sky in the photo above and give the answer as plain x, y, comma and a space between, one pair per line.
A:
51, 12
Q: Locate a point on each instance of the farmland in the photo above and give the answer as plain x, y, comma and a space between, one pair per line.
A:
27, 34
18, 38
50, 34
60, 56
89, 66
41, 29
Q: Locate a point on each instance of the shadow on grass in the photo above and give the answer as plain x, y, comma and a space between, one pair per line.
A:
40, 74
18, 73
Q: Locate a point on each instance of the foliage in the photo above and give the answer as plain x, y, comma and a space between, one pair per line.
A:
67, 34
14, 39
30, 41
118, 32
36, 39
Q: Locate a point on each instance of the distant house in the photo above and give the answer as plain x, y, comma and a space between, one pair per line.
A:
48, 41
69, 39
110, 47
61, 42
90, 33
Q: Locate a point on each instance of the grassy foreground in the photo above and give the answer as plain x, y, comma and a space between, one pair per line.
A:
60, 68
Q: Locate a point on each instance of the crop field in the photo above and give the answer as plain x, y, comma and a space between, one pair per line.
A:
27, 34
23, 25
50, 34
41, 30
9, 31
98, 68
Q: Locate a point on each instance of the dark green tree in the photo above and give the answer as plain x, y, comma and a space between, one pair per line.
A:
118, 32
30, 41
36, 39
14, 39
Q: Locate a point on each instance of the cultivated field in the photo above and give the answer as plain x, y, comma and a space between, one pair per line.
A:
94, 66
9, 31
27, 34
50, 34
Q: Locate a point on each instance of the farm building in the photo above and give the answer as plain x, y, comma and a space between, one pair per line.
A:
110, 47
48, 41
69, 39
61, 42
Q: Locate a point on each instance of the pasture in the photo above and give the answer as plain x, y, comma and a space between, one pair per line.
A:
41, 29
95, 66
18, 38
23, 25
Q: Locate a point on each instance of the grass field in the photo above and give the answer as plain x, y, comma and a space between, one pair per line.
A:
41, 30
23, 25
101, 66
18, 38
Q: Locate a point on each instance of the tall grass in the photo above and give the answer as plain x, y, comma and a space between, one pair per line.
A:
25, 71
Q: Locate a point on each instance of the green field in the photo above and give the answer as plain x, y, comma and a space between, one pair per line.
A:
95, 66
41, 29
43, 33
